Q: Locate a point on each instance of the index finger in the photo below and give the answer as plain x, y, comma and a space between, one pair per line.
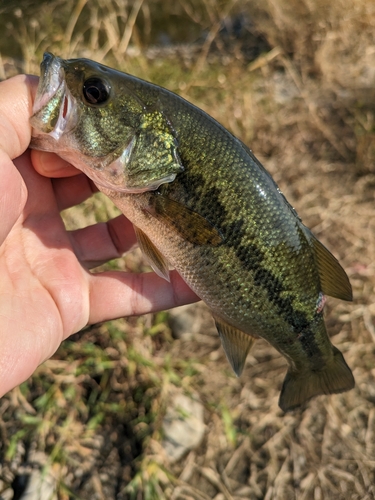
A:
51, 165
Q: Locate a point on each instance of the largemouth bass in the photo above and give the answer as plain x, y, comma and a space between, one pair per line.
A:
202, 203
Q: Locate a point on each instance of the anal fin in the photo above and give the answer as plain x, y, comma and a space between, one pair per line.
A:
236, 344
155, 258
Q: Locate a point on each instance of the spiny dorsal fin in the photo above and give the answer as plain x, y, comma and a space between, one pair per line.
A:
155, 258
236, 344
333, 279
189, 225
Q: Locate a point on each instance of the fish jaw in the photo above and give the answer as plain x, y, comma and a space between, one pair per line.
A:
51, 79
55, 110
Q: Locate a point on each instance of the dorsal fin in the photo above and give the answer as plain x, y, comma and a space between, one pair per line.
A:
155, 258
236, 344
333, 279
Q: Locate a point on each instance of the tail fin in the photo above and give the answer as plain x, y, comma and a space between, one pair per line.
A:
299, 387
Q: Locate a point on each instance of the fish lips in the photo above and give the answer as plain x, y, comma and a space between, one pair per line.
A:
55, 109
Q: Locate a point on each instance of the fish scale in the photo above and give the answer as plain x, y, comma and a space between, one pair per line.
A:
202, 203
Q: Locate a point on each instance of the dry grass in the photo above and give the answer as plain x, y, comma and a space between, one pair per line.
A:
306, 109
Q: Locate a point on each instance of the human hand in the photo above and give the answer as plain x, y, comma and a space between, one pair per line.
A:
46, 290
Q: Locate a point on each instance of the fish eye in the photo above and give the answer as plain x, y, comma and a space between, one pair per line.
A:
95, 91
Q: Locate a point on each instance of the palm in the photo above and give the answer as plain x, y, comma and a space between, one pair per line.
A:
47, 293
43, 285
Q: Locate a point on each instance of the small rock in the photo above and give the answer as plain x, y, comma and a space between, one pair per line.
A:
40, 485
191, 319
183, 427
7, 494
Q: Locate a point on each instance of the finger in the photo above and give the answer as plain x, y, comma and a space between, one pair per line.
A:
13, 195
16, 102
72, 191
94, 245
40, 199
16, 98
117, 294
51, 165
66, 192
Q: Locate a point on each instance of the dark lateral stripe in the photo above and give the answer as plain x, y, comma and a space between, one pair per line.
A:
251, 258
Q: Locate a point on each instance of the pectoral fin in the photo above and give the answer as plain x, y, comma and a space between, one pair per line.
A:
155, 258
333, 279
236, 344
188, 224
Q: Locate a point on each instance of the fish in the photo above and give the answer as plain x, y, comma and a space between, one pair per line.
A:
201, 203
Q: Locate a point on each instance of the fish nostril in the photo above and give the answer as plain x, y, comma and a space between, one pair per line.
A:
47, 56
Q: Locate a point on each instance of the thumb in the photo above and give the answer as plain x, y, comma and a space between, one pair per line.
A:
16, 103
16, 100
13, 195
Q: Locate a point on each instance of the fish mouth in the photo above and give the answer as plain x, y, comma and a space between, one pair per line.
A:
51, 79
54, 109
